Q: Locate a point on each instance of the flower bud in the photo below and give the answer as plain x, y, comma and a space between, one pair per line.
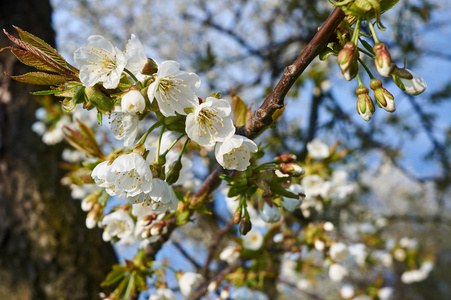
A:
133, 102
365, 106
245, 226
285, 158
150, 67
414, 85
157, 228
384, 98
347, 60
383, 60
270, 212
174, 173
147, 220
291, 169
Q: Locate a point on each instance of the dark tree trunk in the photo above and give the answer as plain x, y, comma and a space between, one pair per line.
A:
46, 252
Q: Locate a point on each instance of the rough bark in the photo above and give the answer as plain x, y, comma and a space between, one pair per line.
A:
46, 252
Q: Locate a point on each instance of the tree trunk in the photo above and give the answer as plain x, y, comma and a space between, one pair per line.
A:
46, 252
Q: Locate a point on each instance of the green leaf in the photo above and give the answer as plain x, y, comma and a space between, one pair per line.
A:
326, 53
239, 109
41, 45
367, 46
116, 274
183, 218
277, 189
46, 92
40, 78
99, 99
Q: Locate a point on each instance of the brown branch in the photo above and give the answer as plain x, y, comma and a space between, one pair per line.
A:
186, 255
203, 288
213, 246
293, 286
262, 117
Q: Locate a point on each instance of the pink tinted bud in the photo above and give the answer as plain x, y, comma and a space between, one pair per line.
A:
383, 60
348, 60
384, 98
291, 169
365, 105
285, 158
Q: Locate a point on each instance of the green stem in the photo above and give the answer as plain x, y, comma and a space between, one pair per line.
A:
355, 35
373, 32
144, 137
134, 77
159, 143
366, 52
366, 69
183, 148
173, 144
359, 80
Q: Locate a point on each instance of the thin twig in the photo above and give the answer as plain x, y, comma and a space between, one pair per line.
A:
186, 255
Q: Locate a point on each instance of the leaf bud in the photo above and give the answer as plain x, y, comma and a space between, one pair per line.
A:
384, 98
245, 225
98, 99
174, 173
382, 60
365, 105
237, 215
348, 60
150, 67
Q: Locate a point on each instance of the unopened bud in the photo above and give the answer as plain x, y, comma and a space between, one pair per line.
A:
174, 174
365, 105
383, 60
285, 158
348, 60
145, 233
413, 86
139, 149
150, 67
133, 101
88, 202
245, 226
157, 228
384, 98
147, 220
291, 169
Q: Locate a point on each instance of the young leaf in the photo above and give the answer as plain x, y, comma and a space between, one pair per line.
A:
32, 60
239, 109
40, 78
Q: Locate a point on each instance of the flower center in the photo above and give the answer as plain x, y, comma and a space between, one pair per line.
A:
104, 60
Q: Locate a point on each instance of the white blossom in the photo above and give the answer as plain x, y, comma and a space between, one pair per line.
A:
55, 134
358, 253
317, 149
414, 86
118, 224
337, 272
385, 293
173, 89
163, 294
98, 61
270, 214
229, 254
133, 102
235, 152
314, 185
160, 198
347, 291
319, 245
328, 226
210, 122
189, 283
128, 176
253, 240
338, 251
136, 57
124, 126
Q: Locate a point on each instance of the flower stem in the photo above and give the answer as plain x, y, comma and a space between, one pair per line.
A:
183, 149
373, 32
144, 137
366, 69
359, 80
173, 144
134, 77
355, 35
159, 143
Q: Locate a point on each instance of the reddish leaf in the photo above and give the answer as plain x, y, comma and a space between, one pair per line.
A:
40, 78
30, 59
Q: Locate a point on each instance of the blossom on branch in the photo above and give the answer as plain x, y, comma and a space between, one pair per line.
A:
210, 122
99, 61
124, 125
234, 153
160, 198
118, 224
173, 89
